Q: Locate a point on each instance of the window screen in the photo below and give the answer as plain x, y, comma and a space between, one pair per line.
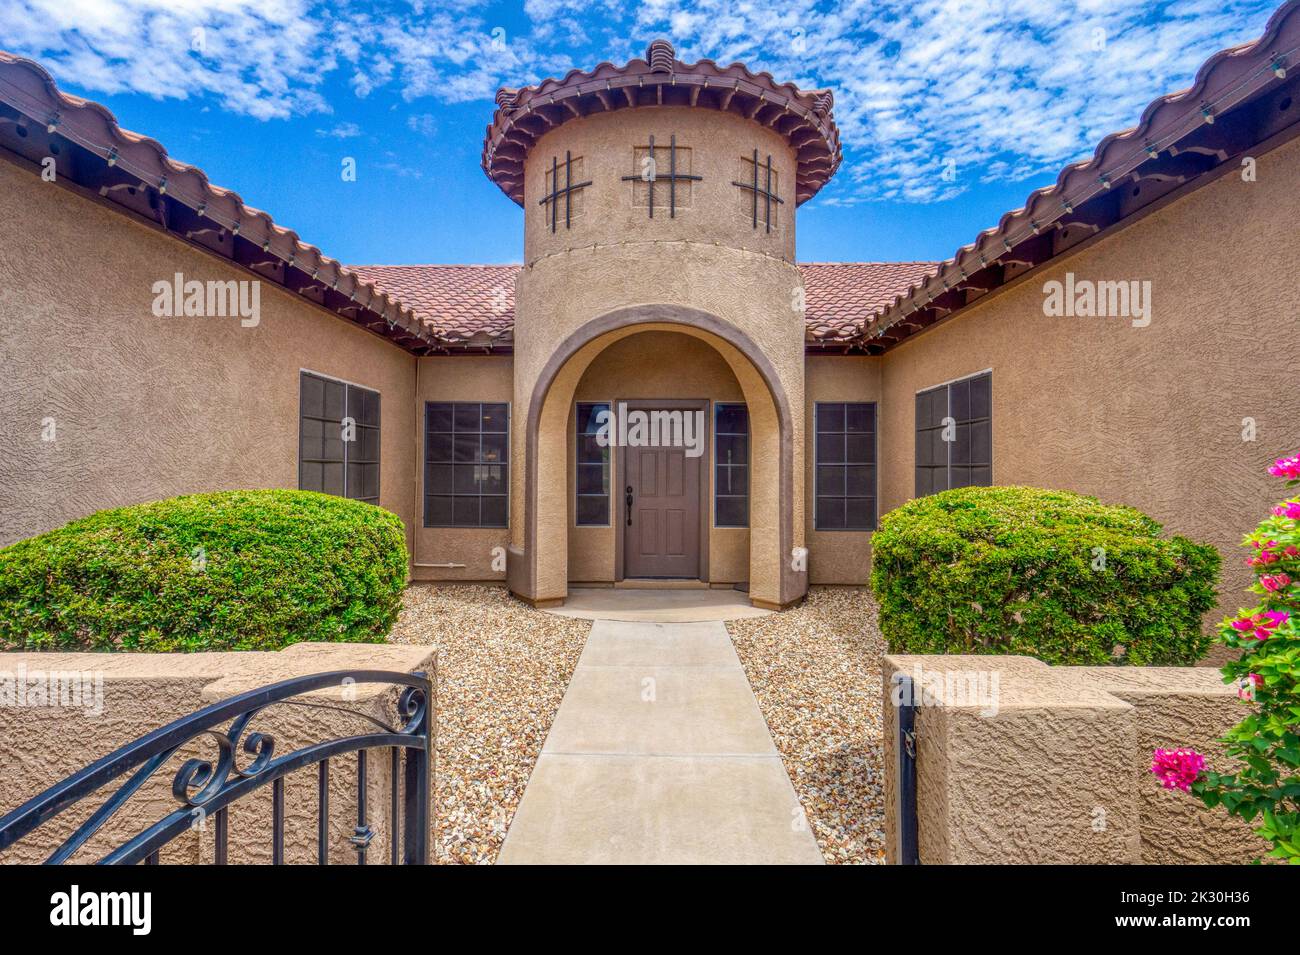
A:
845, 466
954, 435
591, 508
466, 464
731, 465
338, 438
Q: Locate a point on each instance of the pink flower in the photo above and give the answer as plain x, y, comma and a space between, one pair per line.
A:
1286, 468
1265, 556
1262, 624
1289, 509
1275, 582
1177, 768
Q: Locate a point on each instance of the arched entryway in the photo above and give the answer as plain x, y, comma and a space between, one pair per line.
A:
539, 569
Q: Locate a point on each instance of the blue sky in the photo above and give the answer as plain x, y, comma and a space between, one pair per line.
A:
951, 111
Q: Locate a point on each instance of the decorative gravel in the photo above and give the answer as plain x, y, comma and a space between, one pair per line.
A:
816, 673
503, 668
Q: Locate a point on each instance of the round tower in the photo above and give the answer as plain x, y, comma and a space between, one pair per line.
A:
659, 196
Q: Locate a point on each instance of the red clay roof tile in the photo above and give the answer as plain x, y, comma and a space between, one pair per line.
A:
475, 304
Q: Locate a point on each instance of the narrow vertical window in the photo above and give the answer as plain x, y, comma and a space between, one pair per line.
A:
466, 464
591, 507
954, 435
338, 438
731, 465
845, 436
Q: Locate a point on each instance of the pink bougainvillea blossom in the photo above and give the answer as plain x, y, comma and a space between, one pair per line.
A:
1289, 509
1286, 468
1275, 582
1261, 624
1177, 768
1265, 556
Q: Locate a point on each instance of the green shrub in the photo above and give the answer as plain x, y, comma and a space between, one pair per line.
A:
236, 570
1048, 574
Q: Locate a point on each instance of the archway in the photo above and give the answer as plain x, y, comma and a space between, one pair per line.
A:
538, 571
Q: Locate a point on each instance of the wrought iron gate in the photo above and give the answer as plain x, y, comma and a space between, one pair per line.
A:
206, 788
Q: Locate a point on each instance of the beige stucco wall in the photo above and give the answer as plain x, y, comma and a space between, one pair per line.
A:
670, 263
1151, 417
1052, 764
41, 745
836, 557
480, 550
148, 407
611, 211
628, 370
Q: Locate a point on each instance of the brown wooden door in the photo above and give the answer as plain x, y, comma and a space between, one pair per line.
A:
661, 536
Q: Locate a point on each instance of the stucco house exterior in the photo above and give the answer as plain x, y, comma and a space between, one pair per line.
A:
1129, 333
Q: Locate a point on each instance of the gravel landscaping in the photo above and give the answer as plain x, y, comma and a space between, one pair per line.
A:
503, 668
816, 673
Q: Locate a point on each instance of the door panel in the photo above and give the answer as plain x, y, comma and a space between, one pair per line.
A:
662, 539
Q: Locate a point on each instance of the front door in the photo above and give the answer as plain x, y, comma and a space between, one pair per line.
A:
661, 513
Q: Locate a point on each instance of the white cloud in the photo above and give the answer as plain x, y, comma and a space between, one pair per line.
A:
995, 89
341, 131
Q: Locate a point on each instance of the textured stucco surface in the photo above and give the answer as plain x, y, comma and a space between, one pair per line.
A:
1061, 771
633, 368
1150, 417
836, 557
39, 746
459, 378
610, 210
147, 407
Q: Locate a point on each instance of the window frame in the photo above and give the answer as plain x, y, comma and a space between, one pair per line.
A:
579, 463
425, 493
748, 465
875, 467
947, 470
348, 388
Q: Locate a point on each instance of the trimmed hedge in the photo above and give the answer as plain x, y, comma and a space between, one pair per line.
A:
1048, 574
235, 570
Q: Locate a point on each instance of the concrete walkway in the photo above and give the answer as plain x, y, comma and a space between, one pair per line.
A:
659, 754
657, 605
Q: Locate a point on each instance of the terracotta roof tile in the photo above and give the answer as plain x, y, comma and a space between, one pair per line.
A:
475, 304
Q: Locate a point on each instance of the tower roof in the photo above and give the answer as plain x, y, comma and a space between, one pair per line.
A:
524, 115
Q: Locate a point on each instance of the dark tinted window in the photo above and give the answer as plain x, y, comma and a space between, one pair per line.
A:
466, 464
731, 465
591, 506
844, 470
338, 438
954, 435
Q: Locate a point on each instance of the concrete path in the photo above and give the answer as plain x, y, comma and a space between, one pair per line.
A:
659, 754
657, 605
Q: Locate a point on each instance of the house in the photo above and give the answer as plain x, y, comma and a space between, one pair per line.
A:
660, 391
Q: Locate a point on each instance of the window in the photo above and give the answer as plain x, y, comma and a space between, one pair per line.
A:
466, 464
338, 438
846, 466
730, 465
592, 477
954, 435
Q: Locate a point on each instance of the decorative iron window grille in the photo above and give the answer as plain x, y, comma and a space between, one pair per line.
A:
767, 190
551, 201
651, 174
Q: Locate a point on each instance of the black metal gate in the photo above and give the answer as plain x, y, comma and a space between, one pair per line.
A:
206, 788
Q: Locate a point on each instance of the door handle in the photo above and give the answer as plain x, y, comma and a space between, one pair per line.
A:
629, 505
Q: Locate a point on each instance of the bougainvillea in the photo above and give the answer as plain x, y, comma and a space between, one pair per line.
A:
1264, 786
